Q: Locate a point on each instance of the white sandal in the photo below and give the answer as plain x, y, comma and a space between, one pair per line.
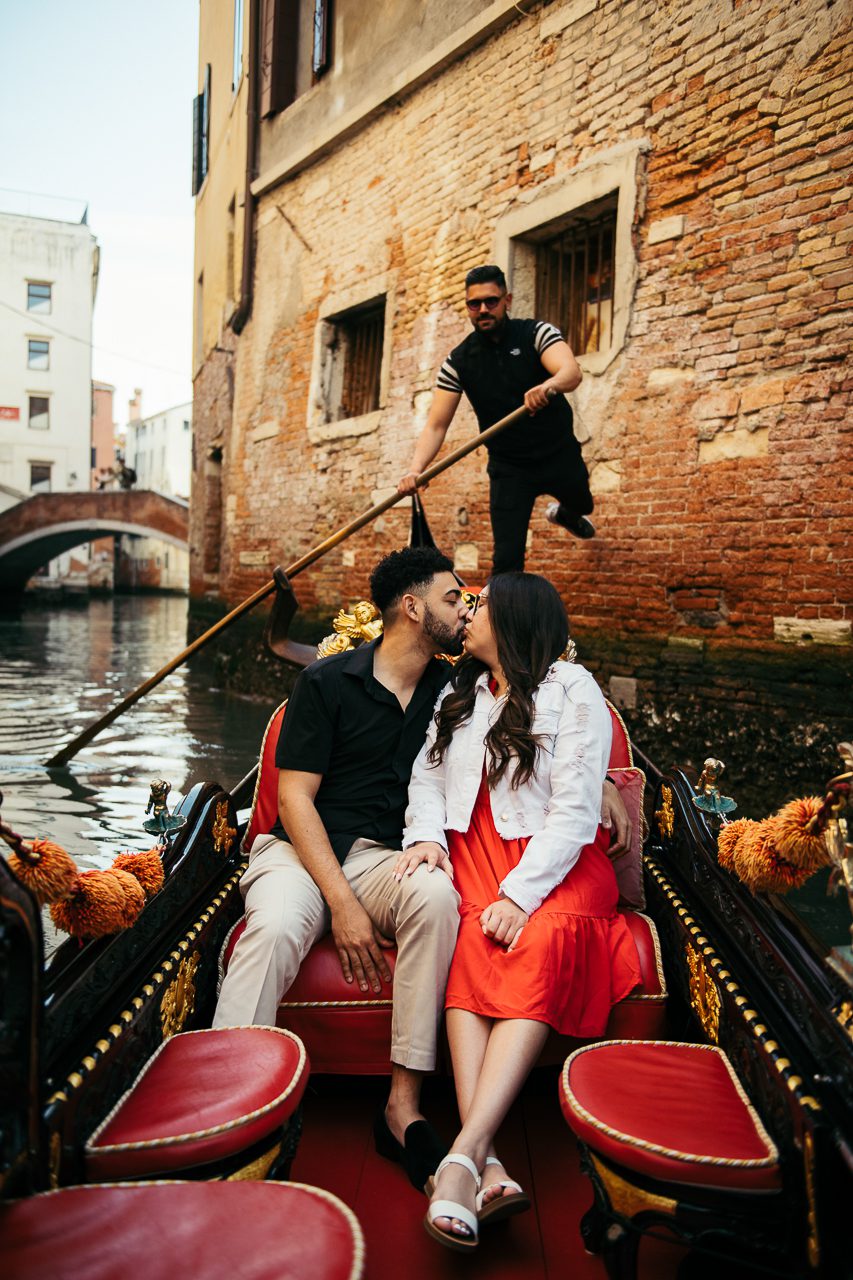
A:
503, 1206
452, 1209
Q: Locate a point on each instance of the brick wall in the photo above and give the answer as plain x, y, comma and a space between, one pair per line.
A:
720, 425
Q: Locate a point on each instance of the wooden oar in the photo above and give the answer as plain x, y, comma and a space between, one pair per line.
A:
76, 744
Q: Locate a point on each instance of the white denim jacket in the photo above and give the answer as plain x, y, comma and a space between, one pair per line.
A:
559, 807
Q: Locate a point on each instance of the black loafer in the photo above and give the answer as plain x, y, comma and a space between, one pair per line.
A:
580, 526
420, 1156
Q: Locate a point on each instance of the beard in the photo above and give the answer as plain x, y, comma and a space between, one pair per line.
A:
446, 638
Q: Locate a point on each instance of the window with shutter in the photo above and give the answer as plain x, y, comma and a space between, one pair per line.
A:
201, 133
279, 52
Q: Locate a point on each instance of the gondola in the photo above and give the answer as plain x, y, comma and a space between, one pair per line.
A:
735, 975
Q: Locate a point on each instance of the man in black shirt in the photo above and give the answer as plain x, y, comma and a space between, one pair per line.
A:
353, 726
500, 366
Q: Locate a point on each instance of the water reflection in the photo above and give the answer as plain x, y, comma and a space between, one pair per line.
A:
61, 668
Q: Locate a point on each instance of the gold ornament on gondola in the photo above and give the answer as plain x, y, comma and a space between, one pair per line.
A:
352, 629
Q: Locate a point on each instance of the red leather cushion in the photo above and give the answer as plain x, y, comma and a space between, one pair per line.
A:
203, 1096
254, 1230
265, 800
321, 978
671, 1111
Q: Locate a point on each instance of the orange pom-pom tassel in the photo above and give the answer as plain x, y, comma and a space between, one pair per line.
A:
793, 841
46, 869
728, 839
147, 867
761, 867
101, 903
133, 896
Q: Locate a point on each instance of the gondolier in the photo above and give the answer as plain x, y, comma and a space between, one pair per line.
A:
498, 367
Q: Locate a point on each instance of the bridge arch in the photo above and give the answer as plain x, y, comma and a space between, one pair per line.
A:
35, 531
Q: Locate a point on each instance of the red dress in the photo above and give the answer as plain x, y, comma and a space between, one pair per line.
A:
575, 957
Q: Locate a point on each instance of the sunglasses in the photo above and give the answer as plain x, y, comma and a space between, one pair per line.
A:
489, 303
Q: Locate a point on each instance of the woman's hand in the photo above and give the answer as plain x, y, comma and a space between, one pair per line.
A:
503, 922
614, 817
425, 851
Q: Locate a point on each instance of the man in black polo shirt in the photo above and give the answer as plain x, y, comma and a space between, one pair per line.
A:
353, 726
500, 366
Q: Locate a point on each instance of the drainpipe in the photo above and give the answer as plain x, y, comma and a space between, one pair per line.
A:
244, 310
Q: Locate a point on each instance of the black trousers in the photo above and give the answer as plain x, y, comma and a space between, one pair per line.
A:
514, 489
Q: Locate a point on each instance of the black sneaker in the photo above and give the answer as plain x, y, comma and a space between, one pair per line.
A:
580, 526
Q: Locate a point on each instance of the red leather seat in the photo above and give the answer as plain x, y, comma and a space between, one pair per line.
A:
204, 1098
254, 1230
675, 1113
348, 1032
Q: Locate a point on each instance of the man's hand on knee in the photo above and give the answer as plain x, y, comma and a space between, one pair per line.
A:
359, 945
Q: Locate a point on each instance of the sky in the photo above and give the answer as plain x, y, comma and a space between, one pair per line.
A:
96, 108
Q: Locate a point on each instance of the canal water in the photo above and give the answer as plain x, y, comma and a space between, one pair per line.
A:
61, 667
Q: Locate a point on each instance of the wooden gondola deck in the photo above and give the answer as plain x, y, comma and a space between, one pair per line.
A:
337, 1152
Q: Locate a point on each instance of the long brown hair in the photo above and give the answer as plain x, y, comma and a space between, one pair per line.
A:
531, 630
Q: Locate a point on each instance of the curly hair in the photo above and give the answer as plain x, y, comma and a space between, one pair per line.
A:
531, 630
405, 570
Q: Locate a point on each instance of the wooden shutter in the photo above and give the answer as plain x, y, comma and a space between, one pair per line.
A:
197, 143
279, 49
201, 133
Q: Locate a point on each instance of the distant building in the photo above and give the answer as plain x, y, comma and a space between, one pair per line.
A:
102, 550
48, 281
158, 449
103, 430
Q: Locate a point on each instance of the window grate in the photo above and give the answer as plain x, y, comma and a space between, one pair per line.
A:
360, 336
574, 281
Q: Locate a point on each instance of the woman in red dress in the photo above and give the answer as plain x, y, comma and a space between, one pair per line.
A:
506, 796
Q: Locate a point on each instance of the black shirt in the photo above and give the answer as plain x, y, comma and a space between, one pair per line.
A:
495, 376
341, 722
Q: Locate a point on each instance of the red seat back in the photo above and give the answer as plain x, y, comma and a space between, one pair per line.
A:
620, 748
264, 813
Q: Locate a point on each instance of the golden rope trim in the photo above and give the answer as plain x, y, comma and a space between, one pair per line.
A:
335, 1004
690, 1157
199, 1134
127, 1016
258, 775
769, 1045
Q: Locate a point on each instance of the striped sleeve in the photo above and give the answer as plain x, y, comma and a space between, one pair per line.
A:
448, 378
545, 335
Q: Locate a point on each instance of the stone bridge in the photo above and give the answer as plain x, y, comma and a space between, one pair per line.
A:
35, 531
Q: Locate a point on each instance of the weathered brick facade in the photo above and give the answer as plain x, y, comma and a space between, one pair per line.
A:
716, 435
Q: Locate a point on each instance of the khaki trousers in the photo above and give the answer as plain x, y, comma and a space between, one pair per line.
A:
286, 914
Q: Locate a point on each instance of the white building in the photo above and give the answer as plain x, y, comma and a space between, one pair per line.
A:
159, 450
48, 280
